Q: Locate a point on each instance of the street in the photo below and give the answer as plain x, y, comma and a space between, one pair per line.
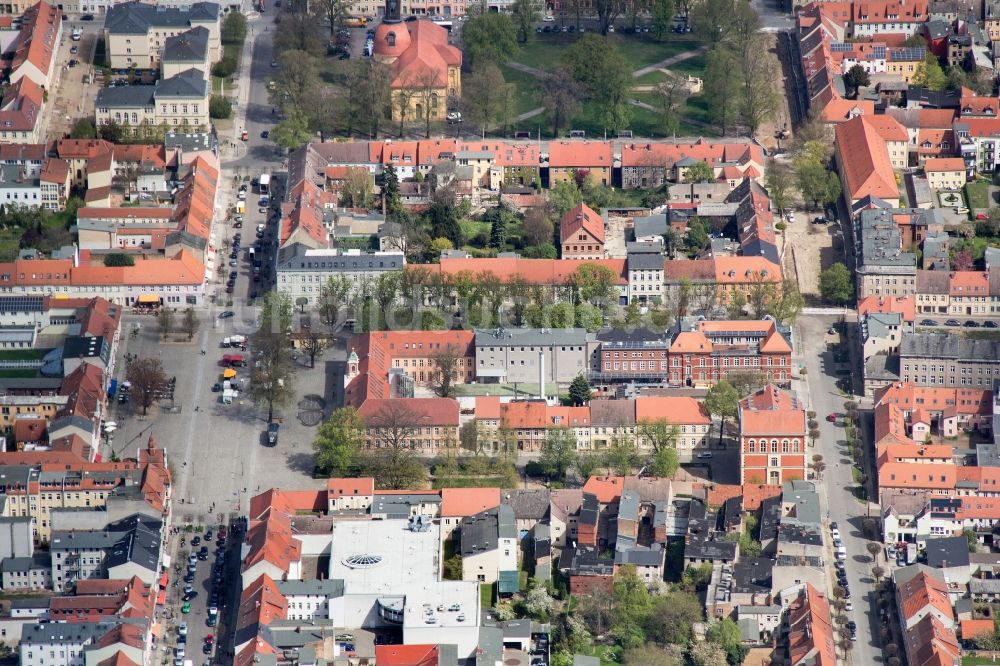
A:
836, 488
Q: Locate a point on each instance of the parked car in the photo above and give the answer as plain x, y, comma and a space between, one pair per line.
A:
928, 322
952, 322
832, 417
972, 324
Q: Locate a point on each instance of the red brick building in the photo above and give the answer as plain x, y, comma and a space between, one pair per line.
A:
703, 356
772, 425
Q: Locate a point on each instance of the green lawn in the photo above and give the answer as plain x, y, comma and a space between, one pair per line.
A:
486, 595
22, 354
543, 51
526, 96
18, 374
691, 67
458, 481
971, 660
610, 655
977, 194
651, 78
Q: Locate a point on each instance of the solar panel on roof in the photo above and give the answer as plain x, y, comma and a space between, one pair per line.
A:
908, 54
21, 303
878, 52
841, 47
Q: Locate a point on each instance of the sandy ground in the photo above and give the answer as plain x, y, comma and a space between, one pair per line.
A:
614, 247
782, 119
72, 98
809, 250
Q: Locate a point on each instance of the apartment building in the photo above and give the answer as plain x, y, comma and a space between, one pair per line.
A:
772, 426
122, 549
886, 267
938, 359
179, 102
302, 271
136, 33
958, 293
519, 355
427, 426
703, 352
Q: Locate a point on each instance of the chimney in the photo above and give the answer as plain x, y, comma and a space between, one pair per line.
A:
541, 375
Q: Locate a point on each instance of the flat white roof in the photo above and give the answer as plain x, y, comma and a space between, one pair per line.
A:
407, 566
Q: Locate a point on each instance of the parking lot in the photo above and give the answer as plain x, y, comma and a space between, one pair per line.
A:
71, 98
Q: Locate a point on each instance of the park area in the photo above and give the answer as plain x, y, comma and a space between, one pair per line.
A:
651, 61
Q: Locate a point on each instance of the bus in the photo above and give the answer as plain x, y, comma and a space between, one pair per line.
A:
265, 183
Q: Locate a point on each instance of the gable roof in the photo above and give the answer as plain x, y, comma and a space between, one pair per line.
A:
863, 159
582, 217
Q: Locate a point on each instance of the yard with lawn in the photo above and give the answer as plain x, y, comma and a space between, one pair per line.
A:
545, 50
977, 194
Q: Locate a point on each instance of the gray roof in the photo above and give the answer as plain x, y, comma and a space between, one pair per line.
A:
39, 560
992, 257
882, 367
612, 413
480, 532
527, 504
752, 575
12, 176
140, 545
879, 324
641, 556
313, 587
189, 83
943, 345
645, 261
294, 258
881, 240
947, 552
531, 337
803, 495
125, 96
190, 46
490, 649
651, 225
506, 529
65, 632
136, 18
645, 247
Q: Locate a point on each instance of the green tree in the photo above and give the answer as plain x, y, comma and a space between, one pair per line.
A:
579, 391
392, 204
558, 452
292, 132
608, 78
672, 618
270, 384
726, 634
929, 73
699, 172
721, 87
219, 107
836, 285
818, 184
697, 238
621, 455
722, 402
857, 77
338, 441
299, 31
83, 128
632, 604
564, 196
234, 28
662, 15
119, 259
779, 184
593, 283
333, 294
589, 317
526, 13
539, 603
483, 94
489, 37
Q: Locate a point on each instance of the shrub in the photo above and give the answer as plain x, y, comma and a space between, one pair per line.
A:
220, 107
119, 259
224, 67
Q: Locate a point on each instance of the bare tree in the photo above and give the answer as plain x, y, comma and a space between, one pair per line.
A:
445, 370
165, 319
270, 384
426, 88
334, 10
148, 381
332, 296
392, 459
190, 323
561, 95
313, 343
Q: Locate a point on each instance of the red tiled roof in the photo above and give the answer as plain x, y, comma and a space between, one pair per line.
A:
406, 655
676, 410
864, 160
464, 502
533, 271
581, 217
944, 164
427, 57
580, 154
607, 489
772, 411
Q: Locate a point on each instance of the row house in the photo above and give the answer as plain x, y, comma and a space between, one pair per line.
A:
926, 618
887, 17
652, 165
937, 359
959, 293
646, 420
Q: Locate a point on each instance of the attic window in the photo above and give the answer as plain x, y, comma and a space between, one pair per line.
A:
390, 39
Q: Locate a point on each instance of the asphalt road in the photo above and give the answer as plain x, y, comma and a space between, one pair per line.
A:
836, 488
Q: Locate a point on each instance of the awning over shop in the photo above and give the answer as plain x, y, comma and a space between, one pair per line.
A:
148, 299
164, 579
228, 373
161, 598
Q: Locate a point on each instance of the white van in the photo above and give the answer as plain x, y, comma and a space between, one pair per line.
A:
841, 553
77, 34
